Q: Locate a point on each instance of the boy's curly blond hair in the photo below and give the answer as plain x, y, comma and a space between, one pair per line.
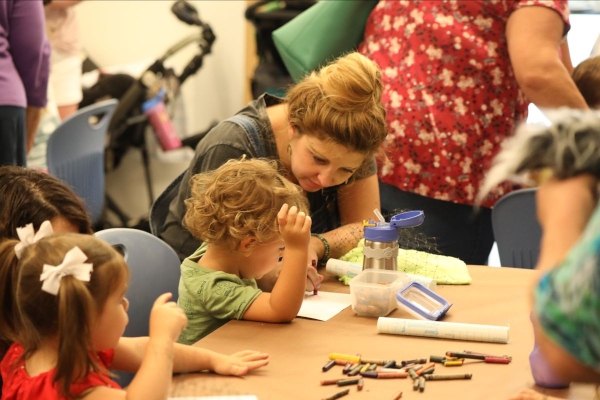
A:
240, 199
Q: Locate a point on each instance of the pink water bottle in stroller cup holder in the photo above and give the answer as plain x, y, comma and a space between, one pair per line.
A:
158, 116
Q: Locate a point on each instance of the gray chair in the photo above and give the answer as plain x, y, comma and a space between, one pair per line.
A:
516, 229
154, 269
75, 153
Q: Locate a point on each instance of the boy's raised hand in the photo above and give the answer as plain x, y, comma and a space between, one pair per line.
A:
294, 227
167, 320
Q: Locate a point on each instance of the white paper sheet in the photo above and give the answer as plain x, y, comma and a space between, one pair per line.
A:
324, 305
216, 398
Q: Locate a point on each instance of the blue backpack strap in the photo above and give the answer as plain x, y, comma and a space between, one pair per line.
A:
249, 126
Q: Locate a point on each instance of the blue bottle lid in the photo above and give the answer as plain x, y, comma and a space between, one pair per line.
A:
384, 232
148, 104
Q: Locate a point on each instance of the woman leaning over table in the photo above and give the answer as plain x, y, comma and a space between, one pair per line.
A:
324, 135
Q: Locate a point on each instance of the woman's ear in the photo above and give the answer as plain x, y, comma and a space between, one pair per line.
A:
248, 244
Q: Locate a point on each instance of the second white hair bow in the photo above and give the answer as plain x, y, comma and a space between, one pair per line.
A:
73, 264
28, 236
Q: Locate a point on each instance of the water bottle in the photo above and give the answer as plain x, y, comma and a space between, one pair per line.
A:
381, 239
541, 371
158, 116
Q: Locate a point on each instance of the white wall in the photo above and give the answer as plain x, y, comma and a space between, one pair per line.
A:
130, 31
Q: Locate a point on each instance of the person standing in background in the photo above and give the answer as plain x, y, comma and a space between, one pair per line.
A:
457, 77
65, 70
24, 66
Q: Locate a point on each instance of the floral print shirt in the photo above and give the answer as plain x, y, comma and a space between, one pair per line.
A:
449, 90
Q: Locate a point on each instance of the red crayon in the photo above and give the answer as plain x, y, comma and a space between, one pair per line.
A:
314, 265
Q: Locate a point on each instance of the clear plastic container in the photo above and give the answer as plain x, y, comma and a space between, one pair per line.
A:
373, 291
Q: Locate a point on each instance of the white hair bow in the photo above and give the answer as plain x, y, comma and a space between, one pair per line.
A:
28, 236
73, 264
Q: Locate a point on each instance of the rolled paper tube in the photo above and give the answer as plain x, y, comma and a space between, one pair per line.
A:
443, 330
340, 268
328, 366
346, 382
347, 357
338, 395
421, 384
326, 382
437, 359
390, 364
391, 375
360, 385
447, 377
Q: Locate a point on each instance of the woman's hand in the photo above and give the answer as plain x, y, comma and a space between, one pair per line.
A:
239, 363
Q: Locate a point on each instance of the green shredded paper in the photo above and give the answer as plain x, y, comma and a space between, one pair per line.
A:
445, 270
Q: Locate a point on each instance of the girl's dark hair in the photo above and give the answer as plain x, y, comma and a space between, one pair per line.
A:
30, 315
32, 197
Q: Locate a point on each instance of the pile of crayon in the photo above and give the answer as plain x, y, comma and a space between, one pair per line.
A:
419, 370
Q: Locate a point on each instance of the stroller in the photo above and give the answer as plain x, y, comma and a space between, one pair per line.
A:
128, 124
271, 75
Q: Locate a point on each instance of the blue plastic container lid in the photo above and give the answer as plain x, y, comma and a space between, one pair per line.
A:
148, 104
422, 302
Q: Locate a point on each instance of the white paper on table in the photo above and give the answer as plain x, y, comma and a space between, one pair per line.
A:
324, 305
215, 398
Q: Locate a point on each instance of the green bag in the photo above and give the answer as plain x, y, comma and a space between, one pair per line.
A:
322, 33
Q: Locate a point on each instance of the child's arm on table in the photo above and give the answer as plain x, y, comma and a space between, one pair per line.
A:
284, 301
153, 378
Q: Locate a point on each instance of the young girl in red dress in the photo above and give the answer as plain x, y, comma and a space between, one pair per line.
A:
63, 306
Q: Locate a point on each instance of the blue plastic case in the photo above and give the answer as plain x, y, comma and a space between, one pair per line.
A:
422, 302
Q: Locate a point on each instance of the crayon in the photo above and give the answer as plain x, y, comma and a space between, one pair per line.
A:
328, 366
483, 357
338, 395
347, 357
360, 385
390, 364
346, 382
326, 382
421, 384
435, 377
355, 370
398, 396
314, 265
377, 362
391, 375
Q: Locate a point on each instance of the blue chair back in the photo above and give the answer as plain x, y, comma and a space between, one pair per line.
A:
516, 229
75, 153
154, 269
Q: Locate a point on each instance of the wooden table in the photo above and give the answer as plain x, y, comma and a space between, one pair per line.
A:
298, 350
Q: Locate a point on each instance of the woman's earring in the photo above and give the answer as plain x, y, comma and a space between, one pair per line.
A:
289, 149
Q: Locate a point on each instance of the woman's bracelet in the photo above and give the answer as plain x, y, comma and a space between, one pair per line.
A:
326, 244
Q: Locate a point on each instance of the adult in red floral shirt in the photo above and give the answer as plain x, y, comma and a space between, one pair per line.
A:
458, 76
